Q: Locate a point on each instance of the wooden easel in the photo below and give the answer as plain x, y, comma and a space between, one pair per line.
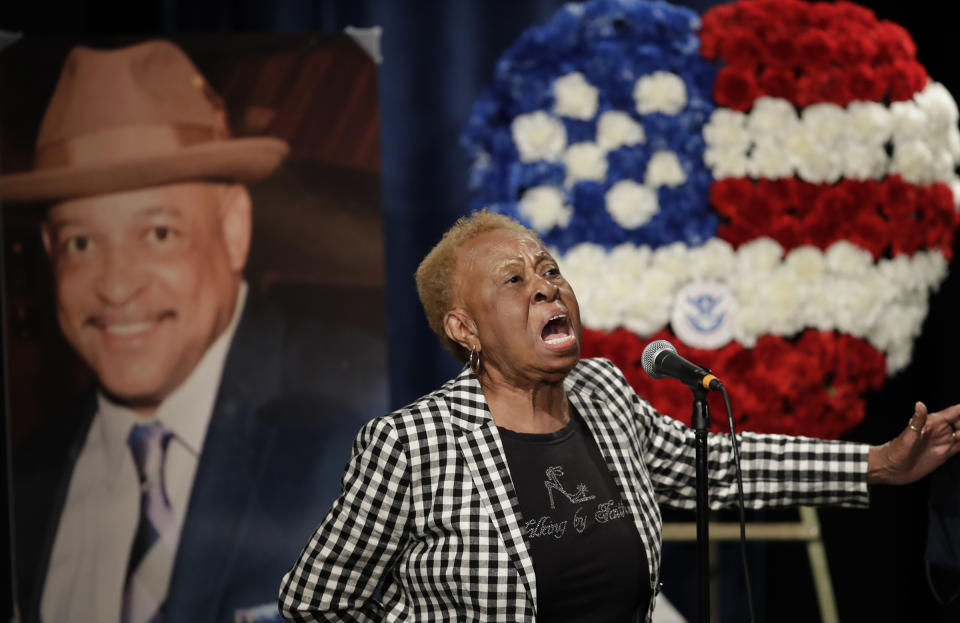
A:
806, 530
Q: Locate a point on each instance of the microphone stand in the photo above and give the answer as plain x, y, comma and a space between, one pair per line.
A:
700, 422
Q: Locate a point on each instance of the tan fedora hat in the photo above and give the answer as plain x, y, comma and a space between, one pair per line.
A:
131, 118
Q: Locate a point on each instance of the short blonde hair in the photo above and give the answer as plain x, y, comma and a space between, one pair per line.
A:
435, 274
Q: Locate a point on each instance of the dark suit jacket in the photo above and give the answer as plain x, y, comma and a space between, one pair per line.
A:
292, 397
943, 533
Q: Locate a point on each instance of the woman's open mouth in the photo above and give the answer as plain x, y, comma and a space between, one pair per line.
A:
557, 333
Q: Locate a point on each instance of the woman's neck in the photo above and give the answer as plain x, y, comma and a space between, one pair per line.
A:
540, 408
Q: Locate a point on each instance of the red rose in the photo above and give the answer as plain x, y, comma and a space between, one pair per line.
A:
735, 233
805, 196
907, 235
816, 49
781, 50
824, 85
735, 88
839, 199
718, 19
786, 231
865, 193
709, 44
869, 231
778, 83
850, 13
777, 193
902, 79
855, 47
755, 211
792, 14
898, 199
822, 14
864, 83
741, 46
756, 16
727, 195
893, 43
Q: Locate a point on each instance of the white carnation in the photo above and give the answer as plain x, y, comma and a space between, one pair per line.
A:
951, 142
864, 161
714, 260
727, 130
544, 208
616, 128
648, 304
939, 106
942, 166
664, 169
895, 329
604, 309
629, 262
818, 307
799, 144
827, 124
726, 163
575, 97
660, 91
781, 299
631, 204
929, 268
671, 258
914, 161
846, 258
758, 257
585, 161
806, 263
583, 267
820, 164
898, 358
954, 184
898, 272
908, 121
538, 136
771, 117
855, 308
869, 122
769, 160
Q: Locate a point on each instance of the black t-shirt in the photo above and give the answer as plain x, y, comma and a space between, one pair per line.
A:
587, 554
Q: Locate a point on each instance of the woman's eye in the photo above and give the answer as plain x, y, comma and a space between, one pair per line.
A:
514, 279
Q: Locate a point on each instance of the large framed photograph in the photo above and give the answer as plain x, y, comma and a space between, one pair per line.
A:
194, 294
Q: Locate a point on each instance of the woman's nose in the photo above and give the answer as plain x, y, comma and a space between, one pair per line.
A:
545, 290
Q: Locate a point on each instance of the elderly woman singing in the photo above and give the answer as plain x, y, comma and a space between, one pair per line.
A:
526, 488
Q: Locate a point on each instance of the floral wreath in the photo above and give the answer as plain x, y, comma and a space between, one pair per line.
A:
773, 188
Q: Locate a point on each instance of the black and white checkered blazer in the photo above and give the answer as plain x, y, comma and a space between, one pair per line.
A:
428, 526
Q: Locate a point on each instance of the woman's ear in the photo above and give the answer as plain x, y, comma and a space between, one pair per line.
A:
460, 327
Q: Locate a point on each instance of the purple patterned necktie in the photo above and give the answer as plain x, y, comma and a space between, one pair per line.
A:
151, 555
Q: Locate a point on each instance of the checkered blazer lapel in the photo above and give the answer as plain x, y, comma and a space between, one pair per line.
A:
609, 418
483, 454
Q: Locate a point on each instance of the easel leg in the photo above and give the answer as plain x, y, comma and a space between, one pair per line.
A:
818, 566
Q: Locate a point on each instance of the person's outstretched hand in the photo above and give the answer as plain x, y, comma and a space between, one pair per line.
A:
928, 440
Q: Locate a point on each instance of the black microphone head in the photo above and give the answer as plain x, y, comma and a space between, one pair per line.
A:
649, 357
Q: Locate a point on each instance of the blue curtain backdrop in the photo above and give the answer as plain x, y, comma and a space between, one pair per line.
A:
437, 56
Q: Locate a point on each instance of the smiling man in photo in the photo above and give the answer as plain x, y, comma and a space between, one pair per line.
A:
179, 490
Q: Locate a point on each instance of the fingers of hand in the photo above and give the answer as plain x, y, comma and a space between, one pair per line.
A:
951, 417
919, 418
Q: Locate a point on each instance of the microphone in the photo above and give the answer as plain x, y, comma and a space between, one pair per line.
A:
660, 360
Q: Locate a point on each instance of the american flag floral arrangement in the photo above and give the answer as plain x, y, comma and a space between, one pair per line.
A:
771, 187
